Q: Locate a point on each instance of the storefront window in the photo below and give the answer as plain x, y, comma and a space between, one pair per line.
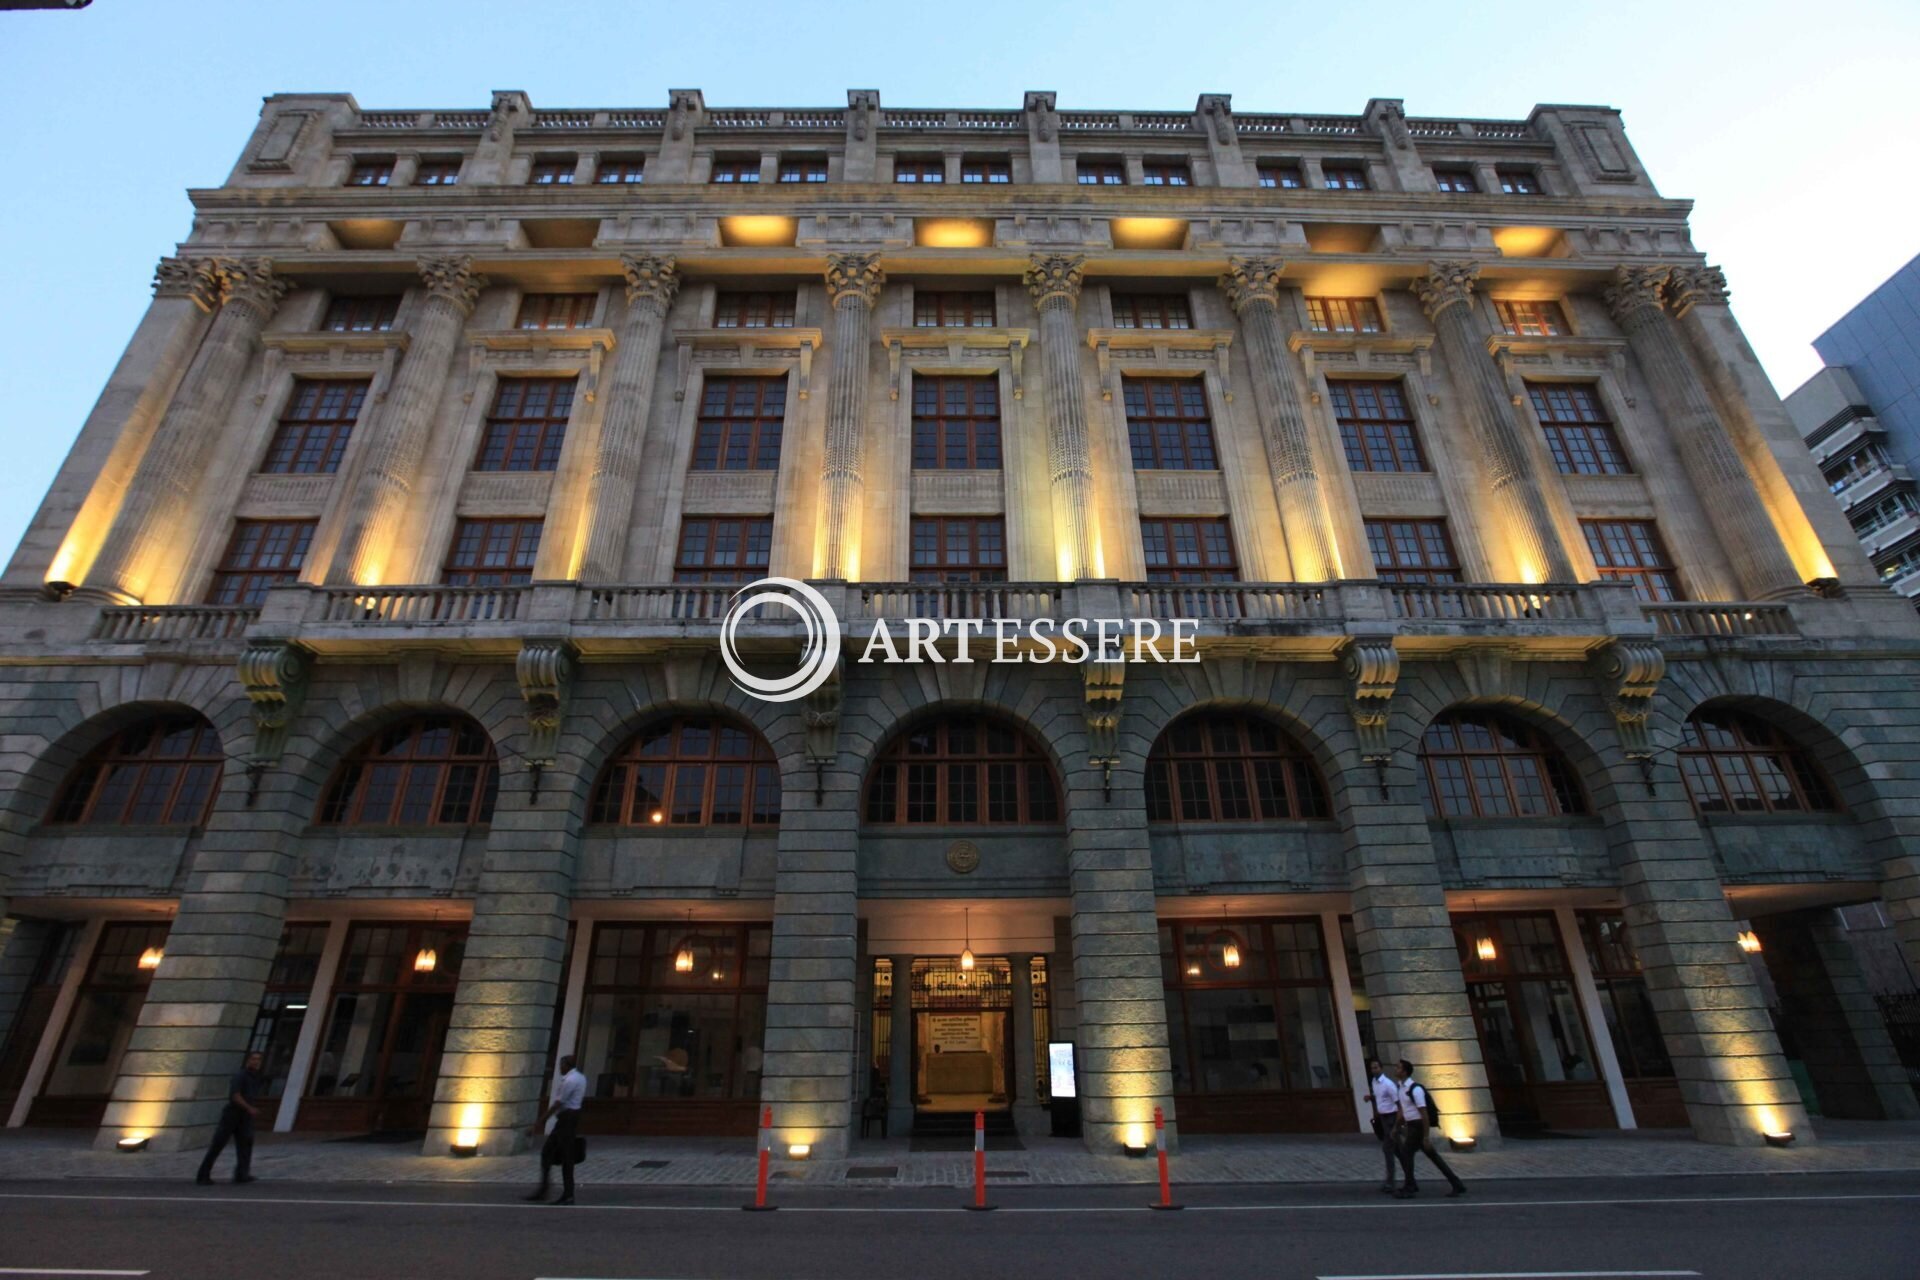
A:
58, 941
104, 1015
1631, 1024
1531, 1031
388, 1023
283, 1006
1249, 1006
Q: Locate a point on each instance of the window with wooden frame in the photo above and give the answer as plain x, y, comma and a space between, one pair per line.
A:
493, 552
690, 771
557, 310
1344, 315
741, 424
1092, 172
427, 771
620, 171
370, 171
1530, 318
311, 436
993, 170
961, 770
956, 423
1231, 767
723, 548
1340, 175
1458, 181
734, 169
1738, 763
163, 771
1486, 764
1417, 551
527, 425
1188, 549
438, 171
1632, 1024
959, 549
1376, 425
361, 313
1518, 182
753, 309
1166, 173
380, 1038
260, 555
1526, 1008
105, 1011
1631, 551
553, 171
1579, 434
1151, 311
925, 170
803, 169
1168, 427
1281, 174
941, 309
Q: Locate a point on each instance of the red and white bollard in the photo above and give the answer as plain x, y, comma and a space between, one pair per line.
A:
980, 1163
1160, 1154
760, 1204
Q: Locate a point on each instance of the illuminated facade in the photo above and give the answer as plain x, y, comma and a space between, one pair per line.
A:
362, 684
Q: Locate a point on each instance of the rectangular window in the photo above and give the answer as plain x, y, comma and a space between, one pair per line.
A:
741, 423
1459, 181
959, 549
492, 553
723, 548
933, 310
1888, 511
617, 171
1101, 173
1519, 182
753, 309
1166, 173
735, 169
986, 169
261, 554
313, 429
438, 171
527, 425
921, 169
1413, 551
1344, 315
803, 169
1631, 551
1376, 426
1631, 1021
956, 423
371, 172
552, 171
1167, 424
1578, 433
1530, 319
1285, 176
1151, 311
1182, 550
1344, 176
371, 313
557, 310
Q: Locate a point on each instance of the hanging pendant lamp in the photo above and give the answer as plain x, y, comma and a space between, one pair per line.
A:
966, 952
683, 958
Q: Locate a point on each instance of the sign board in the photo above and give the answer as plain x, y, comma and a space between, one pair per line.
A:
1060, 1068
954, 1032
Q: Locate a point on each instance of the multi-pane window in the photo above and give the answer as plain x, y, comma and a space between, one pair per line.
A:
365, 313
1188, 550
1344, 176
552, 171
426, 772
1737, 763
803, 169
959, 549
939, 310
1416, 551
1215, 767
920, 169
1460, 181
1167, 424
723, 548
620, 171
956, 423
1888, 511
1151, 311
741, 424
1166, 173
1286, 176
1578, 432
961, 770
492, 553
690, 771
988, 169
1344, 315
557, 310
1530, 318
753, 309
1519, 182
735, 169
1632, 1024
438, 171
373, 171
313, 429
1864, 463
164, 771
1483, 764
1631, 551
1376, 426
527, 425
1100, 173
261, 554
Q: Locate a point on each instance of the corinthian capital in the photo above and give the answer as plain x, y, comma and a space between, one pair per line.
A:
182, 278
1252, 280
248, 282
1634, 288
452, 278
1445, 284
1055, 275
1690, 287
854, 273
651, 280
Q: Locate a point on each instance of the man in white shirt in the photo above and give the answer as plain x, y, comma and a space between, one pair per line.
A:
1385, 1097
1414, 1135
563, 1125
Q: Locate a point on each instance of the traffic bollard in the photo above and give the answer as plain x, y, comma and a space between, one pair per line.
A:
760, 1204
980, 1163
1160, 1153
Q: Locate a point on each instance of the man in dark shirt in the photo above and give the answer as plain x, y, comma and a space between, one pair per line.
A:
236, 1122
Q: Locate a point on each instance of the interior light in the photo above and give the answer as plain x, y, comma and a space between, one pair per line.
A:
799, 1150
150, 958
426, 961
1749, 942
1230, 955
657, 816
1484, 948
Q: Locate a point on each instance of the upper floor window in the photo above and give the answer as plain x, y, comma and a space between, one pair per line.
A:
1188, 550
753, 309
438, 171
735, 169
1100, 173
1460, 181
690, 771
371, 171
527, 425
1578, 432
956, 423
961, 770
311, 435
1531, 319
1344, 176
1415, 551
921, 169
1166, 173
987, 169
426, 772
742, 420
1167, 424
1483, 764
1151, 311
557, 310
260, 555
1344, 315
723, 548
1519, 182
939, 310
163, 771
1376, 426
1631, 551
553, 171
1282, 174
617, 171
1214, 767
959, 549
493, 552
1868, 460
1890, 510
1737, 763
803, 169
369, 313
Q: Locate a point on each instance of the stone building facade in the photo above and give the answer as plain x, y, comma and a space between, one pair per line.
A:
363, 682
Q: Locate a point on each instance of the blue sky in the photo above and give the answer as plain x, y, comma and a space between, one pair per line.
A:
1793, 126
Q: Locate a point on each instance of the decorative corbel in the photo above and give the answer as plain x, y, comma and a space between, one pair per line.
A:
274, 673
820, 713
544, 670
1371, 666
1631, 670
1104, 682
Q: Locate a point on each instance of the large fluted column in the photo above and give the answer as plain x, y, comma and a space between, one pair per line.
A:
1054, 281
651, 284
153, 523
398, 442
1252, 285
1713, 465
853, 286
1519, 500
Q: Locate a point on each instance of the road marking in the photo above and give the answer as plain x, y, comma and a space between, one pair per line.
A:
1508, 1275
54, 1271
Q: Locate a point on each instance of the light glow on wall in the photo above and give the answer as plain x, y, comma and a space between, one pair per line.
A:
953, 233
757, 231
1529, 242
1149, 233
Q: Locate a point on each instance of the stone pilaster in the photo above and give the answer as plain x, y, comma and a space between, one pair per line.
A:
853, 286
1020, 1088
900, 1051
1519, 498
651, 285
1718, 474
1054, 282
1252, 285
139, 559
376, 509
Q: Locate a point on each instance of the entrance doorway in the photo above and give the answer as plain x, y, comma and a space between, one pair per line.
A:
962, 1038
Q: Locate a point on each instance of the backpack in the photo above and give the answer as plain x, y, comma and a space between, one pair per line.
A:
1433, 1108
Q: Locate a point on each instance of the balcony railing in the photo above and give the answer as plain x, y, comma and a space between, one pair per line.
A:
132, 624
1455, 603
673, 602
1722, 619
418, 606
1023, 601
1257, 602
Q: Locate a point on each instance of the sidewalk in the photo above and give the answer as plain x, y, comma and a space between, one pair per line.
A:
1844, 1147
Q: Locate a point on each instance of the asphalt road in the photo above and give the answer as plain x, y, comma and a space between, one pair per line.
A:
1722, 1228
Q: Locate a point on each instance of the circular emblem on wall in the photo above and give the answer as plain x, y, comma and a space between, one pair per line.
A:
963, 856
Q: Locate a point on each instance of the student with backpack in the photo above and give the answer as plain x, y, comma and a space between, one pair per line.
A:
1384, 1096
1419, 1117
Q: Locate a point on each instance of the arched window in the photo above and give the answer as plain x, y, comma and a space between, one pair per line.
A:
690, 771
1230, 768
164, 771
1481, 764
426, 772
1736, 763
962, 770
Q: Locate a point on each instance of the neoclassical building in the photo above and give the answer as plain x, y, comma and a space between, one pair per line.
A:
362, 674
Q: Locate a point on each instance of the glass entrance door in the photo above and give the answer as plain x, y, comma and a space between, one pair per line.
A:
962, 1036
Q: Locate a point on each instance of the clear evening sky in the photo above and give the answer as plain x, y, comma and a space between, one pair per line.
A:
1793, 126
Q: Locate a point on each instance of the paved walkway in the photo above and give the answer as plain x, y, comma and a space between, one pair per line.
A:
1845, 1147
